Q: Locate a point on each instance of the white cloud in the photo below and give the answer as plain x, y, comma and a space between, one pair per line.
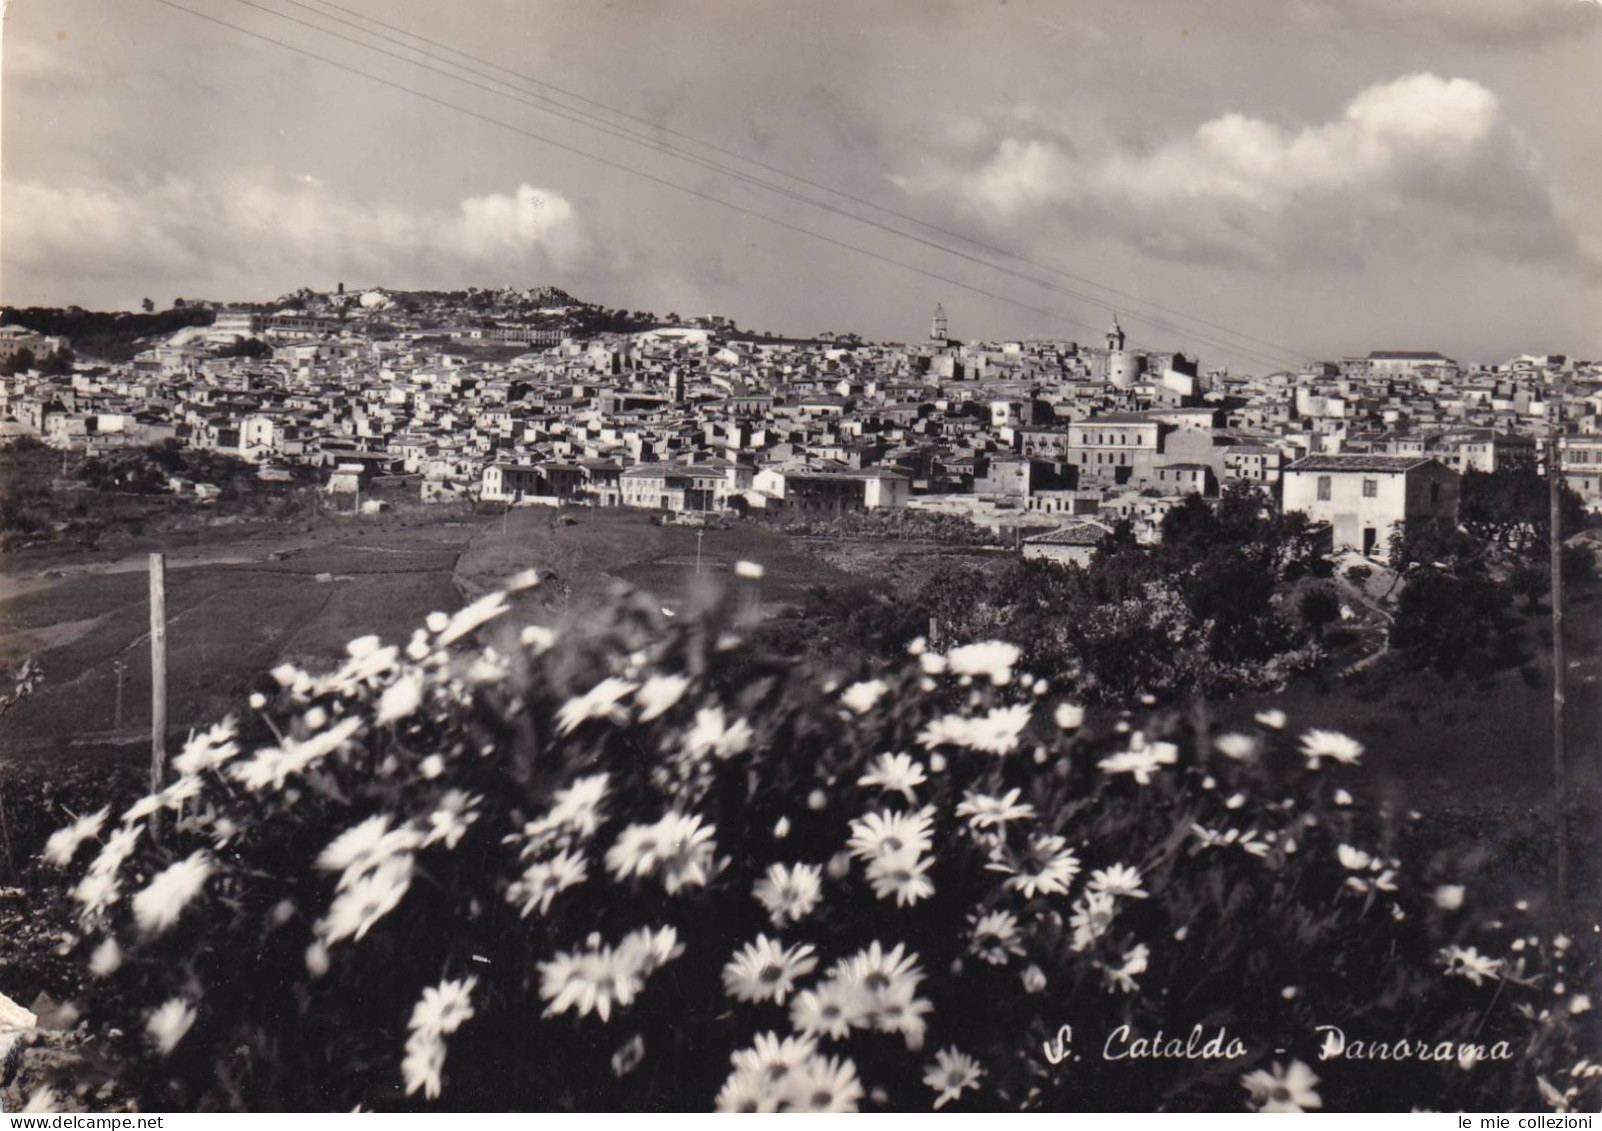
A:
278, 232
1417, 161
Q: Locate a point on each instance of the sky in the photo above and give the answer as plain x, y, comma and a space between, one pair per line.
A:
1251, 181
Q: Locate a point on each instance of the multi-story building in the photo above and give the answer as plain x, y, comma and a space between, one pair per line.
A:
1365, 497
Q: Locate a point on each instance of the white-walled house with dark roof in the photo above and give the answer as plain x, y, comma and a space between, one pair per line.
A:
1363, 497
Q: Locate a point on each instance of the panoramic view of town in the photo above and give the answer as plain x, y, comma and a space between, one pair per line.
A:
428, 681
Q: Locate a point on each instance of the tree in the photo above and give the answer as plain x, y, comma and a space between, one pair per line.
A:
1433, 543
58, 363
1455, 623
1530, 581
1510, 509
177, 304
1319, 606
1579, 563
147, 306
246, 347
19, 362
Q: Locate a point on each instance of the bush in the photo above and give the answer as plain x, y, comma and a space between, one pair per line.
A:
1319, 605
644, 869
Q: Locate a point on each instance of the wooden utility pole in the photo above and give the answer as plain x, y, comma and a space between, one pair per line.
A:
158, 670
1554, 475
120, 669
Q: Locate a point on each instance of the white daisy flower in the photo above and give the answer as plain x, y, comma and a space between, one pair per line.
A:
832, 1009
1141, 761
995, 937
983, 811
658, 694
677, 847
902, 874
358, 907
209, 749
424, 1064
1091, 915
823, 1084
895, 773
767, 970
1283, 1089
1047, 867
576, 809
860, 697
479, 613
543, 880
64, 843
1468, 962
166, 1026
711, 735
163, 901
791, 893
444, 1008
1320, 744
400, 699
597, 703
1118, 880
1240, 747
887, 833
1134, 964
993, 659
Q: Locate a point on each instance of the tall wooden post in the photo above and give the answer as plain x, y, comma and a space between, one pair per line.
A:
158, 670
1554, 474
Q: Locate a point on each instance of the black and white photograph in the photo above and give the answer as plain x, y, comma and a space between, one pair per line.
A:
890, 556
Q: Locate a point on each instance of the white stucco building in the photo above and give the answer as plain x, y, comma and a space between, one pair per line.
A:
1363, 496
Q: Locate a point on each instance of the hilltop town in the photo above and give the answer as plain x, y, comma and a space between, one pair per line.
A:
534, 398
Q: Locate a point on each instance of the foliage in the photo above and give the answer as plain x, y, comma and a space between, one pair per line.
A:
879, 526
108, 335
58, 364
1455, 623
20, 362
1510, 510
253, 348
644, 869
1319, 605
1200, 612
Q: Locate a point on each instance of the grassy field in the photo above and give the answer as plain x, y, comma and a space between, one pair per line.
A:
235, 607
602, 547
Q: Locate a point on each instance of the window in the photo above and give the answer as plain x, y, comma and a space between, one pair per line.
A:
1323, 488
1370, 488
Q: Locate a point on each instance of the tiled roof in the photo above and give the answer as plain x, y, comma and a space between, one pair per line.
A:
1356, 462
1076, 534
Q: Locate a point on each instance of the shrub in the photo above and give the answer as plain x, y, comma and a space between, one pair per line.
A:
644, 869
1320, 605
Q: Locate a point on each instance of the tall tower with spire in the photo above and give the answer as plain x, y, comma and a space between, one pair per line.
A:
937, 328
1123, 367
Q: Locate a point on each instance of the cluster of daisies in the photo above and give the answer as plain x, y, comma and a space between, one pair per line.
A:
874, 990
581, 833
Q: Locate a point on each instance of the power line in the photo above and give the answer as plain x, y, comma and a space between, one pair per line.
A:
683, 188
622, 167
632, 137
797, 177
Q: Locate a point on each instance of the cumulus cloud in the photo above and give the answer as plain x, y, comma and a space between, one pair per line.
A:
280, 231
1419, 161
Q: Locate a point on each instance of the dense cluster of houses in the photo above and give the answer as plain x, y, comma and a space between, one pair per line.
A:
1049, 441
